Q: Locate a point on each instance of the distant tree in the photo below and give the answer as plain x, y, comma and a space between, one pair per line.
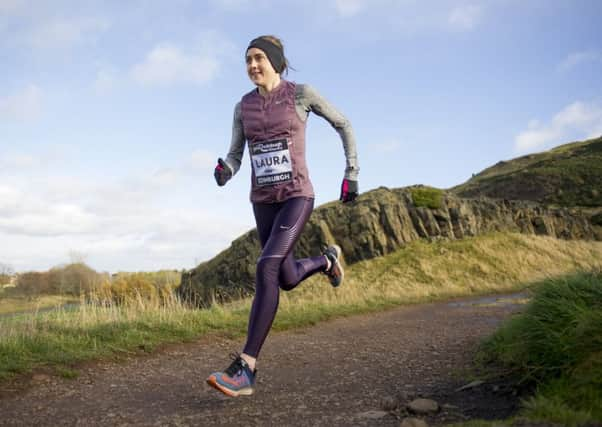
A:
70, 279
6, 273
32, 284
73, 279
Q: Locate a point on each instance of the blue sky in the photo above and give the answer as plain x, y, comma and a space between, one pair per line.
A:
112, 113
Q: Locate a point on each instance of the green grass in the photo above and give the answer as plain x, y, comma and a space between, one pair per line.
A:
427, 197
13, 304
60, 339
556, 344
569, 175
416, 273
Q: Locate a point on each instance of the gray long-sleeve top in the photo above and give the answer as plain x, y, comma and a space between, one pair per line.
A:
307, 100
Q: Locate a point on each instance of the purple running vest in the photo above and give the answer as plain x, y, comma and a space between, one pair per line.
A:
276, 140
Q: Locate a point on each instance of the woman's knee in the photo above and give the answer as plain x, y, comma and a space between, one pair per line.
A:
287, 286
288, 274
268, 269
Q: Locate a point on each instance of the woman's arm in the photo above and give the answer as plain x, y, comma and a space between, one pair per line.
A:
237, 145
311, 100
226, 169
314, 102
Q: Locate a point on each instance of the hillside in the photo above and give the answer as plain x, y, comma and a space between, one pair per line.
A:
378, 223
556, 193
568, 175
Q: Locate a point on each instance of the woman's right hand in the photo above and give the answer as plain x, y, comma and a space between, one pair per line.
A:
222, 172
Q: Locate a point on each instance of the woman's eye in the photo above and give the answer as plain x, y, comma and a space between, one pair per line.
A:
258, 59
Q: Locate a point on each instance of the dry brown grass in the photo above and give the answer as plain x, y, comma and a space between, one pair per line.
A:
419, 272
424, 271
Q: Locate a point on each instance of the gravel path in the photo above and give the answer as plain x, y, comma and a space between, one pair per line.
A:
354, 371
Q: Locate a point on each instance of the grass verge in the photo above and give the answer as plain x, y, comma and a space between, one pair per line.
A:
556, 345
417, 273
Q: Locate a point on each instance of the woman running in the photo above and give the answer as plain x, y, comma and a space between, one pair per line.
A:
272, 119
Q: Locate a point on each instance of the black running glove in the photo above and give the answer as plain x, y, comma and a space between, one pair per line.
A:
349, 190
222, 172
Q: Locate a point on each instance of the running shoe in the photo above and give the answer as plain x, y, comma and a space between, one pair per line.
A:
335, 273
236, 380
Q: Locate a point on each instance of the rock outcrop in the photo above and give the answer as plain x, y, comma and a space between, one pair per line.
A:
379, 222
567, 175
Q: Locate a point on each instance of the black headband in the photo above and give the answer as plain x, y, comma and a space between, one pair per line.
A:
274, 53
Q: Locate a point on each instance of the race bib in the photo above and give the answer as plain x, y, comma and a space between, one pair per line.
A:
271, 162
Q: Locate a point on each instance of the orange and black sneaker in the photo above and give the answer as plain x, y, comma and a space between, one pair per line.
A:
236, 380
335, 273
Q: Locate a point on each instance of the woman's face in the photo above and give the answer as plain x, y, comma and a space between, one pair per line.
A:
259, 67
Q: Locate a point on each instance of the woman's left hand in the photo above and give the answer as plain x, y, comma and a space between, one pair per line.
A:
349, 190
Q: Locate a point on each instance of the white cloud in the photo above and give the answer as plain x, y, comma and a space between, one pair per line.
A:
150, 221
25, 213
9, 199
65, 32
167, 65
231, 5
23, 105
106, 80
202, 160
9, 6
577, 59
403, 17
465, 18
164, 177
18, 161
348, 8
576, 121
13, 163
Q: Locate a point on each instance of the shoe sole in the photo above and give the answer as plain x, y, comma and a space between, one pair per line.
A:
338, 250
212, 381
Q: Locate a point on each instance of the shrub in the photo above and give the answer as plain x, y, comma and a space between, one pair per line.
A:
428, 197
31, 284
126, 288
73, 279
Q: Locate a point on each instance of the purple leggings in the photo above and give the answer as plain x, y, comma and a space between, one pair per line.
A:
279, 226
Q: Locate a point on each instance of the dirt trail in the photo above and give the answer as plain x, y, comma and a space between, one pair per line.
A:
334, 374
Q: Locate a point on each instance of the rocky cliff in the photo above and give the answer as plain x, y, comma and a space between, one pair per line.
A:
380, 222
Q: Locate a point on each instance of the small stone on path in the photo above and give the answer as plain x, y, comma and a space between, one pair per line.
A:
423, 406
413, 422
